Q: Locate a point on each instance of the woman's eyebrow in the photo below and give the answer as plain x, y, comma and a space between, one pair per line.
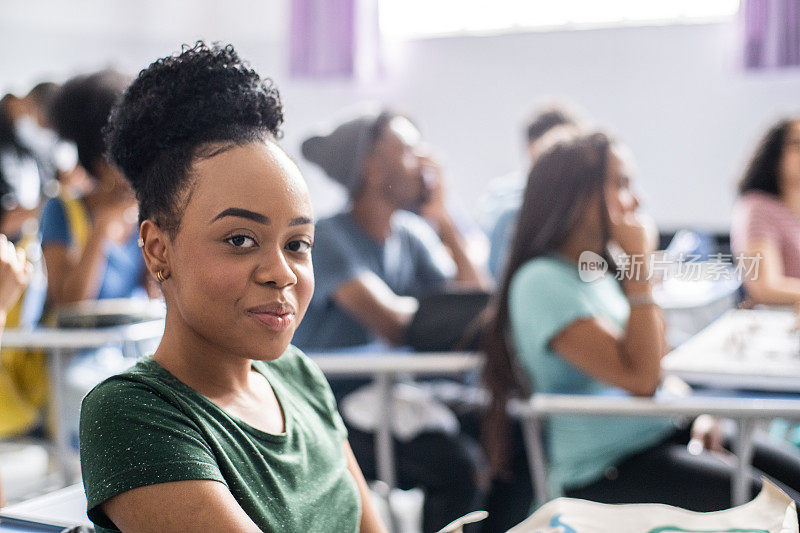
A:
300, 221
242, 213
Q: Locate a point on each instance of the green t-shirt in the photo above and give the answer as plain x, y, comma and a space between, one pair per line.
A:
144, 426
546, 296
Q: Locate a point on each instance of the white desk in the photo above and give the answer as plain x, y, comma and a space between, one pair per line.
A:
64, 508
59, 342
396, 363
754, 349
747, 411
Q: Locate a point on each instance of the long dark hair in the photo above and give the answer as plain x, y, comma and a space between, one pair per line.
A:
570, 170
762, 171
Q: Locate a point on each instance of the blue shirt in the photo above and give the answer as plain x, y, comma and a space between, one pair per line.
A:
546, 296
412, 261
500, 241
123, 274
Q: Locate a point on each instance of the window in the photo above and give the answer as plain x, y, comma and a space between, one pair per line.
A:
408, 19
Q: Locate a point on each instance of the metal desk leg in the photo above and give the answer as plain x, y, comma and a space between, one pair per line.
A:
740, 489
384, 445
57, 416
537, 464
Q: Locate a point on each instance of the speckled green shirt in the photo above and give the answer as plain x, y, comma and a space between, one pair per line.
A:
144, 427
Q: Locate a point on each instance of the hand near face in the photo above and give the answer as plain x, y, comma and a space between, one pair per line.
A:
633, 229
15, 271
631, 232
117, 219
434, 206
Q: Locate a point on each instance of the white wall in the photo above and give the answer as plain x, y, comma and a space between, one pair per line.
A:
675, 94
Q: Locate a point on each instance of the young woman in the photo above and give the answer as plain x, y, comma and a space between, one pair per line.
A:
594, 337
766, 218
226, 427
89, 243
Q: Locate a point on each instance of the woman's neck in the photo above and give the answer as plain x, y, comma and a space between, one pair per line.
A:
578, 242
790, 197
207, 368
373, 215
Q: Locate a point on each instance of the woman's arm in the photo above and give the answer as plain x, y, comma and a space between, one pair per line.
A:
373, 303
204, 505
469, 273
370, 521
75, 277
190, 506
629, 359
72, 278
768, 285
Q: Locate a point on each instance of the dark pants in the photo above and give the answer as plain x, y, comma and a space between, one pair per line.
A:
510, 498
444, 466
666, 473
669, 474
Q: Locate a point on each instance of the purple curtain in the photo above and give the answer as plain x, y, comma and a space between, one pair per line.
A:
772, 33
334, 38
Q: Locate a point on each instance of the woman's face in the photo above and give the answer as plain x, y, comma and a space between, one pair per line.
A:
790, 158
620, 194
397, 153
240, 266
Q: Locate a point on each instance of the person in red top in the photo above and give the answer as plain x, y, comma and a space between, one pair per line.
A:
766, 218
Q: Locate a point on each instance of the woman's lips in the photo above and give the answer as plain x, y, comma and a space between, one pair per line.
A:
274, 321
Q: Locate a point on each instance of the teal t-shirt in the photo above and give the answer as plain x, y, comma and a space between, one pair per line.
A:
547, 295
144, 426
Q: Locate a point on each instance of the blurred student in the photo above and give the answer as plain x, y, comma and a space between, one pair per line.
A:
226, 427
89, 243
765, 227
376, 257
14, 274
371, 263
505, 197
569, 334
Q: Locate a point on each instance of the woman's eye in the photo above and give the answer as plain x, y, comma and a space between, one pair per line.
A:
299, 246
241, 241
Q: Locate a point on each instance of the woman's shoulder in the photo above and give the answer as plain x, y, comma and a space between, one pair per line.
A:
54, 214
544, 271
61, 218
144, 383
758, 201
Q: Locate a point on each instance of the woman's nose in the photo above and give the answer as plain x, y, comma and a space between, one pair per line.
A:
275, 270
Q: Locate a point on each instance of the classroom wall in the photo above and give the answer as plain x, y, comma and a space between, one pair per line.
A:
676, 94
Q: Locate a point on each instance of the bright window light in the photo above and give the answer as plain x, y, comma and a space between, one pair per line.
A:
405, 19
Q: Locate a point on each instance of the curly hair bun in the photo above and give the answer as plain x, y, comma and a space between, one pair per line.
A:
204, 94
176, 106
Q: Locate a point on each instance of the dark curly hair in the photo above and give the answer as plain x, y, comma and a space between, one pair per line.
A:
548, 118
181, 108
763, 168
79, 111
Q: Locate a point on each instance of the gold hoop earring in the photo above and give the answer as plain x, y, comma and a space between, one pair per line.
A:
161, 277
